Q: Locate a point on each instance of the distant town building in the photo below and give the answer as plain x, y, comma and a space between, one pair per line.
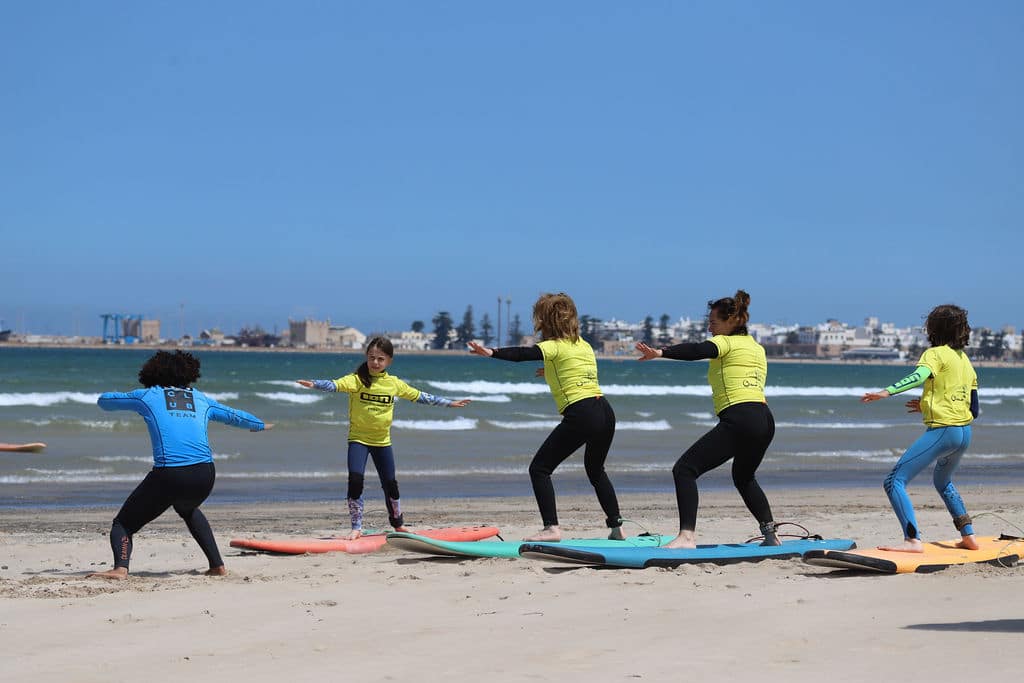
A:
308, 332
619, 347
346, 337
408, 340
148, 332
214, 337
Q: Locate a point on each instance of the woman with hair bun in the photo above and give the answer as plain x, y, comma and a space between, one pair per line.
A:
737, 371
948, 404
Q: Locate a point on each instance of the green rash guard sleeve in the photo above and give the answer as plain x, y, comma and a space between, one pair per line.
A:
914, 379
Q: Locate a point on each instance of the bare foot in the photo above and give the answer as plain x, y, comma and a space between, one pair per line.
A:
216, 571
909, 545
616, 534
403, 529
549, 534
968, 543
685, 539
354, 534
116, 574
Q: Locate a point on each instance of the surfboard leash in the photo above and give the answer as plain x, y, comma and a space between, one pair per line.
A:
644, 530
805, 536
1010, 540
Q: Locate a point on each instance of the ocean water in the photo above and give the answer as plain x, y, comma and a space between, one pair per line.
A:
824, 437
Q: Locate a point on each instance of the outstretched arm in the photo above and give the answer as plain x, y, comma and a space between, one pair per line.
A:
516, 354
236, 418
321, 384
684, 351
431, 400
121, 400
914, 379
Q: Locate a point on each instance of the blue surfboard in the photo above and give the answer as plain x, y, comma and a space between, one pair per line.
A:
643, 557
431, 546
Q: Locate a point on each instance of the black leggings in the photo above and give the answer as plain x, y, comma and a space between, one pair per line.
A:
184, 488
590, 421
743, 433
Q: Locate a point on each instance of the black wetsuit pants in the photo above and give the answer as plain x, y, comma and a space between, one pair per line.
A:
743, 433
184, 488
589, 422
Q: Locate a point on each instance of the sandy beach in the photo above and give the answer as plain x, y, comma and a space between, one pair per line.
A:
394, 616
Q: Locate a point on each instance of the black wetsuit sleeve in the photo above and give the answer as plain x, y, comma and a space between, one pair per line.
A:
975, 409
690, 351
518, 354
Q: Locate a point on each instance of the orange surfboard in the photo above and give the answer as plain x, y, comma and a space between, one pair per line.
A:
996, 550
364, 544
22, 447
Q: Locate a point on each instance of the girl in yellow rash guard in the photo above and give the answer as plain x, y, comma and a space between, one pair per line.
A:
737, 370
570, 370
371, 407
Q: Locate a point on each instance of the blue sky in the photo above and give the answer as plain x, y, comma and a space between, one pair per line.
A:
375, 163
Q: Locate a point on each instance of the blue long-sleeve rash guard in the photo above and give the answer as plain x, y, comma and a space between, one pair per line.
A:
177, 420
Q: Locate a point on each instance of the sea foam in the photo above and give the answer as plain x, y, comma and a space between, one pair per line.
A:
289, 397
47, 398
458, 424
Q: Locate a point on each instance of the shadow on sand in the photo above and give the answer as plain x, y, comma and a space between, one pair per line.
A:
990, 626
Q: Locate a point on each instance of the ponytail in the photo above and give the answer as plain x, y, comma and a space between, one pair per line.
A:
363, 371
742, 316
733, 309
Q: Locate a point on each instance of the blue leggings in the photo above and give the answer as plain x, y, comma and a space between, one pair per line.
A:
384, 461
944, 446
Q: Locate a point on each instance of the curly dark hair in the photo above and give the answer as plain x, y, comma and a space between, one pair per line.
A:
166, 369
947, 325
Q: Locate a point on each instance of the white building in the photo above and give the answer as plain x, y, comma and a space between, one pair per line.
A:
345, 336
409, 340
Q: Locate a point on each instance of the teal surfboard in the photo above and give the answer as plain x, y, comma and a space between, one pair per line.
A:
652, 556
431, 546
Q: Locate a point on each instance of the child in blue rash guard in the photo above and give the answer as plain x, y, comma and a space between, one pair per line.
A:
183, 473
570, 370
948, 404
371, 407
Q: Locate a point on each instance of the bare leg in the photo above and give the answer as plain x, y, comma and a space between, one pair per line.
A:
968, 542
550, 534
117, 574
909, 545
687, 538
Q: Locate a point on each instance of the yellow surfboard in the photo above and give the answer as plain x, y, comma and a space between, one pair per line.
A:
1003, 551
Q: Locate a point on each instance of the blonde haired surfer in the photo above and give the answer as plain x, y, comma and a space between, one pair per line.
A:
570, 370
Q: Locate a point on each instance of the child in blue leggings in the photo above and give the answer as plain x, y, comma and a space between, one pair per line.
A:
948, 404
